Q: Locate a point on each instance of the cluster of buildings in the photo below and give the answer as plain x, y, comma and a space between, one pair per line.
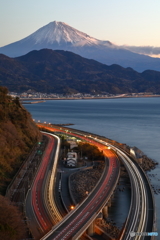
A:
35, 95
38, 95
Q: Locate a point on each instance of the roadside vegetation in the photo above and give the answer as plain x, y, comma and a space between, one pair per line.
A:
83, 149
90, 151
18, 133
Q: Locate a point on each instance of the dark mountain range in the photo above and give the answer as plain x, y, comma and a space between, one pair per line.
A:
65, 72
60, 36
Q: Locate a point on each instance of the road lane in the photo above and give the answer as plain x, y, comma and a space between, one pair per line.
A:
37, 190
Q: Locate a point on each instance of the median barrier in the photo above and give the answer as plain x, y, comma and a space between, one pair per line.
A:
52, 181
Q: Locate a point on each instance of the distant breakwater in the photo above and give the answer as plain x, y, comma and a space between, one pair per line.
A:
27, 102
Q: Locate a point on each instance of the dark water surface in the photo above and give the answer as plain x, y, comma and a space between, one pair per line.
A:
134, 121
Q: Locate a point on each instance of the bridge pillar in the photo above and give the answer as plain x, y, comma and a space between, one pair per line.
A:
90, 230
105, 212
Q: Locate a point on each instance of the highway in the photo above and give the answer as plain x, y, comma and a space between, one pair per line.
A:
140, 217
38, 190
40, 206
137, 215
78, 220
141, 214
76, 223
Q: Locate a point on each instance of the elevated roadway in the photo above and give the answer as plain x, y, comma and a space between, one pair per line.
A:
141, 217
141, 214
77, 221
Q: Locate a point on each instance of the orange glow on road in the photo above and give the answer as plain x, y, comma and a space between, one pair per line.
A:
106, 150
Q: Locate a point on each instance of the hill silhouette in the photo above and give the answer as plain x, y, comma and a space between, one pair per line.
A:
65, 72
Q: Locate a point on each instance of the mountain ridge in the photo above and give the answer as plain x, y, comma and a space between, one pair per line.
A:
66, 72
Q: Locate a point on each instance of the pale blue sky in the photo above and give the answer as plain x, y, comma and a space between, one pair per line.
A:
131, 22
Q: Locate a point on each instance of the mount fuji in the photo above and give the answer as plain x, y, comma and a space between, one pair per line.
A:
60, 36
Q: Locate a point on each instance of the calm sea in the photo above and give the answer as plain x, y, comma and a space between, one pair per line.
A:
134, 121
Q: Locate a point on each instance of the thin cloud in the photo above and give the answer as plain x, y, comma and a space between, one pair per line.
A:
147, 50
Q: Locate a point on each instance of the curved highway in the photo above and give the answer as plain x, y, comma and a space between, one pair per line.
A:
40, 206
77, 221
38, 190
141, 214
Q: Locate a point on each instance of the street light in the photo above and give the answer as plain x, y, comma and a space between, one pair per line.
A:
71, 207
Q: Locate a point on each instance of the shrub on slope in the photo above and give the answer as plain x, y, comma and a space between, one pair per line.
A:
18, 133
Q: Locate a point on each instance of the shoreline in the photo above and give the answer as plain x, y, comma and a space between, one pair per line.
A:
40, 100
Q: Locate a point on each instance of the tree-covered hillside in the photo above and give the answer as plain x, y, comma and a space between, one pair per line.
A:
18, 133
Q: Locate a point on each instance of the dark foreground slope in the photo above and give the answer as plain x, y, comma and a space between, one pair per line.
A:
65, 72
12, 226
18, 134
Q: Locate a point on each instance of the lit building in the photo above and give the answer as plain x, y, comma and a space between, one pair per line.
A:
71, 159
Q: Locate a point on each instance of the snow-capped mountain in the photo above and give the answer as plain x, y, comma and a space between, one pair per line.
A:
59, 35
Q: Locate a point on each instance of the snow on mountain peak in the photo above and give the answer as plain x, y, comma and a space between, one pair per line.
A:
60, 32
